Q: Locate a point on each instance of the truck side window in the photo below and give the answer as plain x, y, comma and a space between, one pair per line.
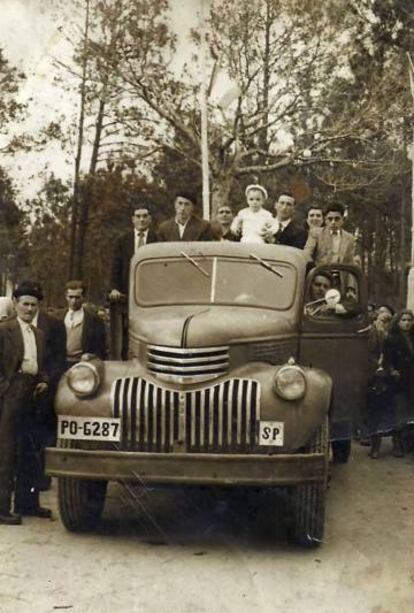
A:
333, 294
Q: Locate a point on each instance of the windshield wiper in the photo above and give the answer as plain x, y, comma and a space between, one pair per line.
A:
194, 263
266, 265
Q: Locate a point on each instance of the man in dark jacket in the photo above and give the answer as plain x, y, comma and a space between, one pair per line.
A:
22, 378
55, 365
85, 331
127, 244
284, 230
185, 226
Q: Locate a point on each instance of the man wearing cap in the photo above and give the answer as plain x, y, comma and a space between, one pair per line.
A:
22, 379
55, 365
141, 234
185, 226
284, 230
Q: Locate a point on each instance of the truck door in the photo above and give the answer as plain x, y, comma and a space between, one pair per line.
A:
334, 338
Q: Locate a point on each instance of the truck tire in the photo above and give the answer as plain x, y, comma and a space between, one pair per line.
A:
81, 503
309, 500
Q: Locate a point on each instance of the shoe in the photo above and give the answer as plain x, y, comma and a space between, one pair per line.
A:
41, 512
10, 519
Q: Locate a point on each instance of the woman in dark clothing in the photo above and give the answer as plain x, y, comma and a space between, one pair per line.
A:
398, 364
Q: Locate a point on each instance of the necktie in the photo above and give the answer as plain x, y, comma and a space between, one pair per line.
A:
141, 239
278, 233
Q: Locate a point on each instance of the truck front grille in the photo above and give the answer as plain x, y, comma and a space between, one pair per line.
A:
176, 364
219, 419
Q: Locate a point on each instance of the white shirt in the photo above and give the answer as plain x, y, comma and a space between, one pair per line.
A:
251, 224
181, 226
336, 242
280, 225
29, 363
73, 319
141, 236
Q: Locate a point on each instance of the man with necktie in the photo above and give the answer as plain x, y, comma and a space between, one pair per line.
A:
331, 244
284, 230
22, 379
125, 247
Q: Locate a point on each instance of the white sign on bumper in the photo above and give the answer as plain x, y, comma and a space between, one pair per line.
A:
271, 433
89, 428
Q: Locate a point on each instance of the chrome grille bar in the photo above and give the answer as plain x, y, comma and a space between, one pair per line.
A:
218, 419
202, 362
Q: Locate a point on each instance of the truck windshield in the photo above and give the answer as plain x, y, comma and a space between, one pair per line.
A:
215, 281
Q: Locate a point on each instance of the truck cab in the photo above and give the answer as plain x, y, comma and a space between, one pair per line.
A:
233, 377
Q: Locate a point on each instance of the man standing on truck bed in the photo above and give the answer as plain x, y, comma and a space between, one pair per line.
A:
126, 246
331, 244
284, 230
185, 226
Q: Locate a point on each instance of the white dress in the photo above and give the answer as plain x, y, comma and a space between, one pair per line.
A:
250, 224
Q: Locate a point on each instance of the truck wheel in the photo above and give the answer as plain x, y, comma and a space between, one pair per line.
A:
309, 500
81, 503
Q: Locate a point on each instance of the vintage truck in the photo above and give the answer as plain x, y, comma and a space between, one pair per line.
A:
232, 378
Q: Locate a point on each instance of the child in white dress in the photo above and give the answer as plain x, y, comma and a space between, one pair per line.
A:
251, 222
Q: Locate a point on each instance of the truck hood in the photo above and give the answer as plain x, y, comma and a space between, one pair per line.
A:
204, 326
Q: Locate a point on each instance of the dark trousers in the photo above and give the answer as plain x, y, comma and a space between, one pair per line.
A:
19, 466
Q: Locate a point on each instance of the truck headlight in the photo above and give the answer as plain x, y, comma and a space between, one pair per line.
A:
290, 382
83, 379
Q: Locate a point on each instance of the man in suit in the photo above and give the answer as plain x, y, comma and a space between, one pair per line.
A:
54, 365
22, 379
125, 247
185, 226
85, 331
141, 234
331, 244
284, 230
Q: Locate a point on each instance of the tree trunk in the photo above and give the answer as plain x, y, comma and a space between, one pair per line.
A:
88, 191
76, 184
221, 186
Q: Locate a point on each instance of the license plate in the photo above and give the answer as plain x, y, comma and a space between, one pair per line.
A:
271, 433
89, 428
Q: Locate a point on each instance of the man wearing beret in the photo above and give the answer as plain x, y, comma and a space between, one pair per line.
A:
185, 226
22, 379
54, 365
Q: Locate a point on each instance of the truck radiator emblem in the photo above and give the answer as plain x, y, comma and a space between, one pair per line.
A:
218, 419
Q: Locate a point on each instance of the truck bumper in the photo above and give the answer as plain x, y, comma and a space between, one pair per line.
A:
187, 469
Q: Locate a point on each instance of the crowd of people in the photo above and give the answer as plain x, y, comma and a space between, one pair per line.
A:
36, 348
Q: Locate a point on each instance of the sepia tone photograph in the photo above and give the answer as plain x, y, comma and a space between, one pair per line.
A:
206, 306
